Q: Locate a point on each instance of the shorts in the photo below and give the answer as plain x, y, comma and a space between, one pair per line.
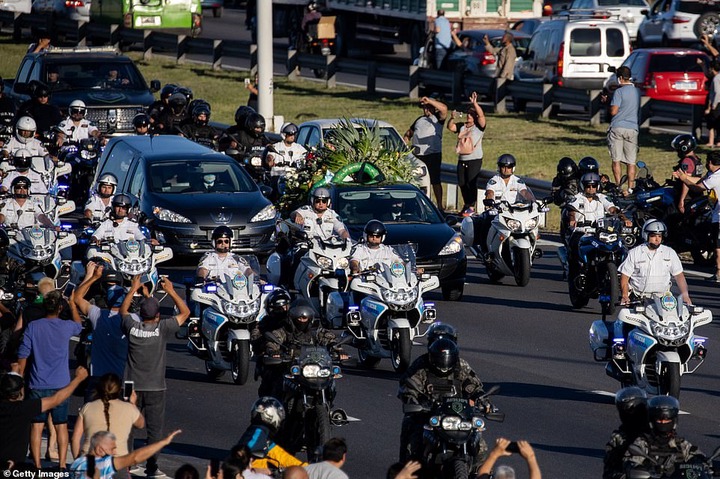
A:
623, 145
433, 162
59, 413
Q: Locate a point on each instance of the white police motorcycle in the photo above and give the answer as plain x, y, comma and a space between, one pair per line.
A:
661, 347
221, 336
511, 242
391, 311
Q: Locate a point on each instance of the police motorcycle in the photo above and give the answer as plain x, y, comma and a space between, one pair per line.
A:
670, 467
231, 306
660, 348
309, 389
83, 158
512, 239
453, 434
391, 311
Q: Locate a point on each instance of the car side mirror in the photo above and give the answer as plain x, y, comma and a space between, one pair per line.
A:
612, 69
265, 190
154, 85
645, 12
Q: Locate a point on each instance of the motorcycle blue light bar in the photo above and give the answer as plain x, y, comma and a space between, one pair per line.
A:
619, 340
267, 288
353, 308
211, 288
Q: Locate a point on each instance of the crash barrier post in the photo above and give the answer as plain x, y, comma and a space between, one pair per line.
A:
330, 70
293, 70
371, 76
414, 82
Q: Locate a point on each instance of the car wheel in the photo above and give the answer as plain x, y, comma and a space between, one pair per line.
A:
453, 292
707, 24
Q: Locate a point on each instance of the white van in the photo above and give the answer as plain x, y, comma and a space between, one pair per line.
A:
574, 53
20, 6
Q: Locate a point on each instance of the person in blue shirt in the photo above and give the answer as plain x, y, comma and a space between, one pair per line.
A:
622, 136
443, 38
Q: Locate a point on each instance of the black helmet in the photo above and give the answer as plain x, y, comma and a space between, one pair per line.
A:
254, 120
222, 232
663, 408
121, 200
177, 103
438, 330
684, 144
506, 160
631, 403
167, 90
312, 6
566, 168
589, 179
301, 309
444, 356
588, 165
269, 412
374, 227
242, 113
278, 301
111, 276
20, 180
185, 91
141, 119
200, 108
41, 90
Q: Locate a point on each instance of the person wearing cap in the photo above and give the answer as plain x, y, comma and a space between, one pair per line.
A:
318, 219
109, 342
425, 138
17, 413
622, 136
146, 362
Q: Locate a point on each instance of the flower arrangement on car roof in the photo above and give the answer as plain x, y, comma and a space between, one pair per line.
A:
352, 153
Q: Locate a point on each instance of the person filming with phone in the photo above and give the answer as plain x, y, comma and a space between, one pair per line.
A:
504, 447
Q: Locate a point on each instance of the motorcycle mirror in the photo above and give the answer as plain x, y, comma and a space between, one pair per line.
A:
696, 309
491, 391
715, 455
412, 408
157, 248
641, 164
495, 416
370, 278
638, 474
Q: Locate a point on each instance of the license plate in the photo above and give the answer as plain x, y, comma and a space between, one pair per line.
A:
685, 85
586, 68
148, 21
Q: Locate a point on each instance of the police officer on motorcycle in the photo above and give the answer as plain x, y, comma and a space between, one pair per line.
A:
221, 262
649, 268
22, 161
98, 206
141, 124
438, 373
566, 183
24, 138
631, 403
197, 127
372, 250
75, 126
21, 210
288, 152
277, 305
118, 225
662, 447
171, 117
318, 219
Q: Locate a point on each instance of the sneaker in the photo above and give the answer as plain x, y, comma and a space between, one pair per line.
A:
157, 474
137, 470
713, 279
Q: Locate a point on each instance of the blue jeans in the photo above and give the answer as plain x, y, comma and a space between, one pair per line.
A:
59, 413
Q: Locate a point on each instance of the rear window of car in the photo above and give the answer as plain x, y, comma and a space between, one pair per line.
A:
585, 42
623, 3
697, 8
193, 176
676, 63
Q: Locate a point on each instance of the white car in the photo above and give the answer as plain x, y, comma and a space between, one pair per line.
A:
676, 22
628, 11
312, 134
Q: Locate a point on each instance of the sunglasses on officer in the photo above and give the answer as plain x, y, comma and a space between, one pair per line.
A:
222, 241
321, 200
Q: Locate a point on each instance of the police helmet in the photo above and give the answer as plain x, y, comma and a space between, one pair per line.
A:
660, 409
167, 90
506, 160
20, 181
254, 120
25, 129
566, 168
631, 403
588, 165
438, 330
321, 193
590, 179
141, 120
653, 226
222, 232
443, 356
301, 309
278, 301
121, 200
242, 113
288, 129
374, 227
22, 159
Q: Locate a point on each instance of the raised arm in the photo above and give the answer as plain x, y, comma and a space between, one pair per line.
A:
183, 310
140, 455
56, 399
93, 272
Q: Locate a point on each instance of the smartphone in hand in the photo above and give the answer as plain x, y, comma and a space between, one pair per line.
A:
513, 447
214, 467
128, 387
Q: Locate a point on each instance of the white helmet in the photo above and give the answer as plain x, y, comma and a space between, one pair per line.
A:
25, 129
288, 128
653, 226
106, 179
77, 106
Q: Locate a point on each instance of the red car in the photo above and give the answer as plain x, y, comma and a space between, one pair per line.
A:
670, 74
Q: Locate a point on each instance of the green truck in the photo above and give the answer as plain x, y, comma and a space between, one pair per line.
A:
149, 14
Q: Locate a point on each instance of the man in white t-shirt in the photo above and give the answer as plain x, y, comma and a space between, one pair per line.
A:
709, 182
334, 454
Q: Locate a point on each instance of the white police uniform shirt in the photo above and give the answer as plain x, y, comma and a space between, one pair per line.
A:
651, 271
367, 257
219, 266
98, 207
506, 192
284, 159
125, 230
22, 215
329, 223
78, 132
590, 211
712, 182
37, 182
33, 145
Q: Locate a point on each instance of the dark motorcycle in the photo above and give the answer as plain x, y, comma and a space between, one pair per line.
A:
669, 467
452, 435
309, 390
83, 157
593, 265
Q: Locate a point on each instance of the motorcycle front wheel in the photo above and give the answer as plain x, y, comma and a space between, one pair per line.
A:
521, 266
456, 469
669, 379
240, 362
611, 287
400, 350
320, 433
578, 298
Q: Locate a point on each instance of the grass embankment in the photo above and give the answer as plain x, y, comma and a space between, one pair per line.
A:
536, 143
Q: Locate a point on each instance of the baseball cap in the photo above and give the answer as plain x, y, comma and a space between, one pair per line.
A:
624, 73
149, 308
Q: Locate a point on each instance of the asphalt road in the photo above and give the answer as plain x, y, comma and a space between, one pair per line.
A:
526, 340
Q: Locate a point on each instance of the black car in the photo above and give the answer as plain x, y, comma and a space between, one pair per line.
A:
110, 84
440, 250
186, 190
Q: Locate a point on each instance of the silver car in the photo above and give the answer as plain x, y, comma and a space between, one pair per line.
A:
78, 10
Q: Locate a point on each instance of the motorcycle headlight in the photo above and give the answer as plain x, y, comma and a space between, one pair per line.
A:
170, 216
87, 155
311, 371
670, 332
451, 423
267, 213
241, 310
512, 224
531, 223
324, 262
402, 296
454, 246
256, 161
608, 237
343, 263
